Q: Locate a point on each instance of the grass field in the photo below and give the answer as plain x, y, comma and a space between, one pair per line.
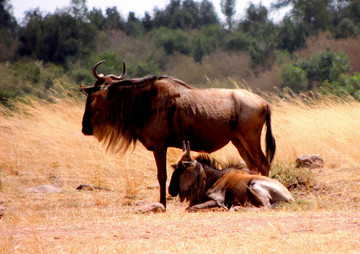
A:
42, 143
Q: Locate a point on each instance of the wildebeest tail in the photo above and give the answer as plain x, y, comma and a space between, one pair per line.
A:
270, 140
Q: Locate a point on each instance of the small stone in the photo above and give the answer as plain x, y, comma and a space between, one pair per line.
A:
2, 211
85, 187
152, 208
89, 187
310, 161
47, 188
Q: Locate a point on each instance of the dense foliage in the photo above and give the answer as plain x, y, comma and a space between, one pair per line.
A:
65, 44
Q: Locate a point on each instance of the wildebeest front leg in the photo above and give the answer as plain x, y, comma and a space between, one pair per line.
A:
205, 205
160, 158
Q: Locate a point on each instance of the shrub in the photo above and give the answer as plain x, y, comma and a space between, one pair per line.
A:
326, 65
345, 85
294, 77
238, 41
172, 41
345, 28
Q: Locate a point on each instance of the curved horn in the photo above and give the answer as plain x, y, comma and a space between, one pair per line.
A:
188, 149
96, 75
184, 146
118, 78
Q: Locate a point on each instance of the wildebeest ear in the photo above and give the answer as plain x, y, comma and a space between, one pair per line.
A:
88, 89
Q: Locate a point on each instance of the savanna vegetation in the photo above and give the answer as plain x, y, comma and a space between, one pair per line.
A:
315, 47
307, 66
41, 143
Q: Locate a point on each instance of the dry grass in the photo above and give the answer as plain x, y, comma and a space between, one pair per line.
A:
328, 126
43, 144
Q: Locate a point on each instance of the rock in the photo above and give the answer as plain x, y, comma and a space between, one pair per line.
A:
47, 188
85, 187
152, 208
2, 211
89, 187
310, 161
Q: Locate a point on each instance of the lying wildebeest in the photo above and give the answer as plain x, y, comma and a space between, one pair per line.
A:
199, 181
161, 112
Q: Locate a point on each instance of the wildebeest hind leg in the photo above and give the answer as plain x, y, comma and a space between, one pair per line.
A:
245, 155
261, 193
252, 144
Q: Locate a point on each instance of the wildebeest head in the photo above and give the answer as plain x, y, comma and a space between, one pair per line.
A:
103, 82
189, 178
96, 99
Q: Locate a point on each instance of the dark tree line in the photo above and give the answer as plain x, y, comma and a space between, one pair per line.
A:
71, 33
71, 36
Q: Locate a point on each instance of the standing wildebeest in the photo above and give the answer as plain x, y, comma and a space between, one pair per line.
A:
161, 112
201, 182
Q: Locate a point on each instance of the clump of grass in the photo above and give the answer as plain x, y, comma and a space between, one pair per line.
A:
302, 183
292, 177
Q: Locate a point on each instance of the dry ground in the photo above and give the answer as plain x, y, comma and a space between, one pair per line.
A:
100, 222
44, 145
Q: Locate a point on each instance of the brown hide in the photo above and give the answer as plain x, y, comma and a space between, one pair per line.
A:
161, 112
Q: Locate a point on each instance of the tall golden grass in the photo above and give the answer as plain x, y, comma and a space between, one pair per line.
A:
42, 143
327, 125
45, 139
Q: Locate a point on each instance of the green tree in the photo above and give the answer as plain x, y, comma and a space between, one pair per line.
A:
228, 9
147, 22
190, 16
55, 38
170, 17
7, 20
347, 18
172, 41
326, 65
8, 29
238, 40
133, 26
79, 9
261, 34
292, 36
113, 19
97, 18
207, 14
256, 19
185, 15
313, 13
346, 28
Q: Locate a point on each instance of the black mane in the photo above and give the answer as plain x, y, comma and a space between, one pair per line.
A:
208, 160
130, 106
145, 81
